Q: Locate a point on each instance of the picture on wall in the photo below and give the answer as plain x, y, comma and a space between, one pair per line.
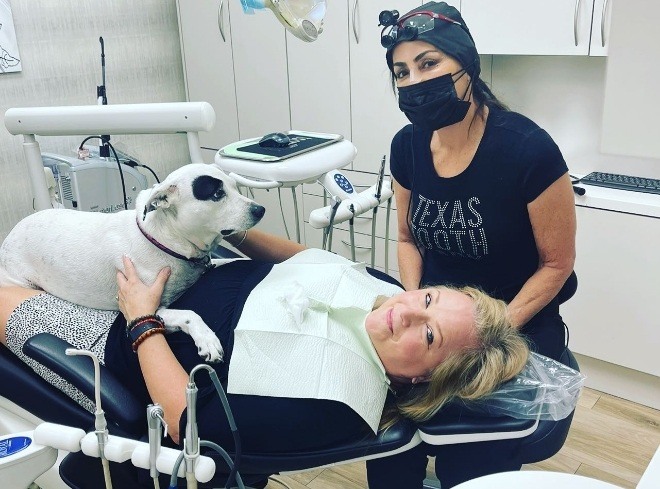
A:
10, 61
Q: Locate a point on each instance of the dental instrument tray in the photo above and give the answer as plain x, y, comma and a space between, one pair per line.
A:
308, 157
300, 142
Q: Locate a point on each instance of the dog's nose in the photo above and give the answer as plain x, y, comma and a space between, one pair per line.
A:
257, 211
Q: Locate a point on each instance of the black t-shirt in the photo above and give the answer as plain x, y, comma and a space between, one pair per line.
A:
266, 424
475, 227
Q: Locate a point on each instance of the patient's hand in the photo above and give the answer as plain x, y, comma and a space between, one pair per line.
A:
134, 297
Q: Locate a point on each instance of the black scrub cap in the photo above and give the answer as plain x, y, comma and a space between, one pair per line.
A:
452, 39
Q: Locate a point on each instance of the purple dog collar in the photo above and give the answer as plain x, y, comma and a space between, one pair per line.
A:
204, 260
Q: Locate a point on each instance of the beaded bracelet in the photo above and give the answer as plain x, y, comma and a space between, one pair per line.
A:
149, 332
135, 322
143, 327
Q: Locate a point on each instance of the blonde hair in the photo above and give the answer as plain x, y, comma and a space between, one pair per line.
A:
499, 355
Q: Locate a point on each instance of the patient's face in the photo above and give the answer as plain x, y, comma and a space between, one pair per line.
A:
415, 331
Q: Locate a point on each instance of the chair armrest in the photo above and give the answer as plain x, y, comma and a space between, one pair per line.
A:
122, 409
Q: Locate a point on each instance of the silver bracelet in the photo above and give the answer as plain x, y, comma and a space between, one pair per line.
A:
242, 239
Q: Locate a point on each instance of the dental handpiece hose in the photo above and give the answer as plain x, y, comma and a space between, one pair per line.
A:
100, 423
379, 188
351, 228
155, 421
101, 430
191, 442
327, 233
102, 99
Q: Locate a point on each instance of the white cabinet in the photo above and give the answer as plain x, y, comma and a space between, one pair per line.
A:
613, 316
600, 30
534, 27
631, 105
260, 71
208, 65
319, 78
237, 63
375, 112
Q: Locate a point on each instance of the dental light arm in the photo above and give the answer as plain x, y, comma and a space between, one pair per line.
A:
88, 120
302, 18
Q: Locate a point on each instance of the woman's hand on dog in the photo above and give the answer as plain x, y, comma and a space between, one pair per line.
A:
134, 297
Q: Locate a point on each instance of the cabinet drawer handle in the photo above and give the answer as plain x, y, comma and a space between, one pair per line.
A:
576, 15
221, 20
602, 24
355, 32
357, 247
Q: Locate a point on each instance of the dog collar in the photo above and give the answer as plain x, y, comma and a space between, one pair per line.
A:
204, 260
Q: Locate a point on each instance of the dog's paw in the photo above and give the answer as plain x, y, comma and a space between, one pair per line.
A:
207, 343
209, 348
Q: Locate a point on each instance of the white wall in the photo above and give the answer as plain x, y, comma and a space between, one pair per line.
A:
564, 95
60, 52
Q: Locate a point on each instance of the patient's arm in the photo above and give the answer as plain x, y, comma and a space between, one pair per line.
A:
165, 377
260, 245
166, 380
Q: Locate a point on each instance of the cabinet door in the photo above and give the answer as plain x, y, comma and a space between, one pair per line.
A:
631, 106
209, 66
558, 27
613, 316
260, 72
375, 113
600, 30
319, 77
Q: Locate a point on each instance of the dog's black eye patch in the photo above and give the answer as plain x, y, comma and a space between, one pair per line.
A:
206, 187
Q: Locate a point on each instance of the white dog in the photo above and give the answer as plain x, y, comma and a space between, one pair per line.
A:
75, 255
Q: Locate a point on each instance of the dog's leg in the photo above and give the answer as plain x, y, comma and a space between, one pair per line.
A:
208, 344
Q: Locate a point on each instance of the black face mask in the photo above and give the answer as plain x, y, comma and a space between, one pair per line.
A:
433, 104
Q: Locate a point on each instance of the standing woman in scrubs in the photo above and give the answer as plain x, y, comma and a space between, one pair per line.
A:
483, 199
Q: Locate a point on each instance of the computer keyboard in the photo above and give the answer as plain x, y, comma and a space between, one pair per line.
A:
622, 182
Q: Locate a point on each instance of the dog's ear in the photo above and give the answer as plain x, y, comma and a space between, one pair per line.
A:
162, 197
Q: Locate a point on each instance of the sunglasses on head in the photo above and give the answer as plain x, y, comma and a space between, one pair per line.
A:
408, 27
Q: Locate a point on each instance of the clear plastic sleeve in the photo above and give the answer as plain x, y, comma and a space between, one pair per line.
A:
544, 388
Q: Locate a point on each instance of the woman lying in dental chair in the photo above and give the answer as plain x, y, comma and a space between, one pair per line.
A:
312, 344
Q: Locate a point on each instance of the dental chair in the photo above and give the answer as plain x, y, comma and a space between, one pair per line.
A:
28, 396
539, 439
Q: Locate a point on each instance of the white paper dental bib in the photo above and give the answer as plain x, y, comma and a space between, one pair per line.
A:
302, 335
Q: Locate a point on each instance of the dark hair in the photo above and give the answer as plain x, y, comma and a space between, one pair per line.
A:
481, 93
484, 96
